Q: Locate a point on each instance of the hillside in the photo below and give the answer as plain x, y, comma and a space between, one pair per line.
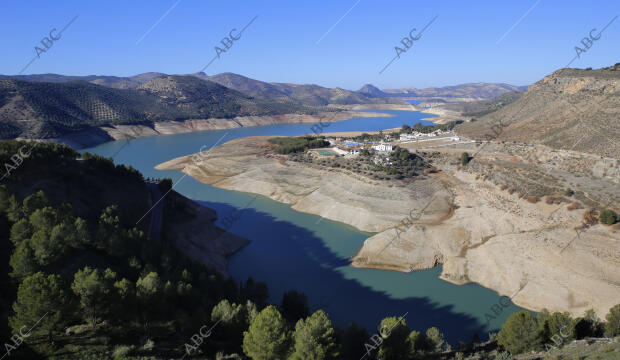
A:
570, 109
51, 110
305, 94
471, 91
62, 215
480, 108
246, 85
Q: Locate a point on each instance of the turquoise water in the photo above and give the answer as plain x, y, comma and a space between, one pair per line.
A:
292, 250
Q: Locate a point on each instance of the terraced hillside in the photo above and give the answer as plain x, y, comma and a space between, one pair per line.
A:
51, 110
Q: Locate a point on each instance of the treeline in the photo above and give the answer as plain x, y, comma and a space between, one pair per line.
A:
427, 129
117, 277
288, 145
523, 331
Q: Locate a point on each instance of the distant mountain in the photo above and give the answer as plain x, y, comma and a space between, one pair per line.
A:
372, 91
570, 109
103, 80
474, 91
313, 95
246, 85
50, 110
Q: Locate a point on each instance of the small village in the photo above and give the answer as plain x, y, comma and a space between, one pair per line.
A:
382, 145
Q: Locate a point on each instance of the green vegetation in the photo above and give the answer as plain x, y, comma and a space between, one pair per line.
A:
288, 145
523, 332
612, 327
399, 164
465, 158
608, 217
427, 129
268, 337
520, 333
315, 339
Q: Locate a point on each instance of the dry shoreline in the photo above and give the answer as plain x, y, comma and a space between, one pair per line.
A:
519, 249
98, 135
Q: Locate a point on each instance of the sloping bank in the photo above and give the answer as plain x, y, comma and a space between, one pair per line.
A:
98, 135
477, 232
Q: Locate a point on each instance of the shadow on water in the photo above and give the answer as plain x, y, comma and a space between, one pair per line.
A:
293, 257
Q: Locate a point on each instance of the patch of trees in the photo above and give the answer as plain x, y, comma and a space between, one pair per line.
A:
289, 145
427, 129
524, 331
399, 164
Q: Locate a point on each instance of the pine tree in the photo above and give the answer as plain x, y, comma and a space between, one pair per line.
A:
268, 337
394, 332
43, 303
315, 338
521, 332
94, 290
612, 327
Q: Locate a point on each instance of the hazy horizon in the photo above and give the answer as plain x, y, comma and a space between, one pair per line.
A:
338, 44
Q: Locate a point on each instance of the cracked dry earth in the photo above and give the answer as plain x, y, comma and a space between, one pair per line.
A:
478, 232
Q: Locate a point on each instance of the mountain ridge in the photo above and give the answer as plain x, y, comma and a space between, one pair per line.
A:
569, 109
53, 109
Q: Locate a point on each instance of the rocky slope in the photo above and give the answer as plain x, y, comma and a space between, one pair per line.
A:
479, 232
569, 109
192, 230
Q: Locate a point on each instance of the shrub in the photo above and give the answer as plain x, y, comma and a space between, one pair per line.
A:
532, 199
149, 345
590, 217
511, 191
464, 158
121, 352
574, 206
608, 217
612, 327
504, 355
569, 192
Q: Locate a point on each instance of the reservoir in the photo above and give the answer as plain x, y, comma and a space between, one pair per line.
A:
292, 250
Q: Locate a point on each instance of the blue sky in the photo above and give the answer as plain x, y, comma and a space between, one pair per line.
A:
460, 46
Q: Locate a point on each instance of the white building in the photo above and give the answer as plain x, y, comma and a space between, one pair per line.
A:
383, 147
